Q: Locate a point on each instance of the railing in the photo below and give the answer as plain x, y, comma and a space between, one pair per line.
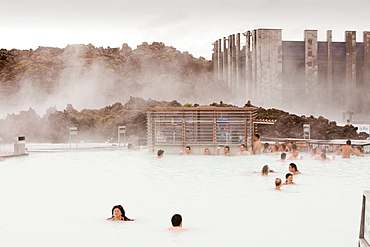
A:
199, 125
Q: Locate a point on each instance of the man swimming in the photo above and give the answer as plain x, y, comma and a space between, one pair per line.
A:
188, 150
277, 184
227, 151
176, 221
160, 154
243, 150
346, 150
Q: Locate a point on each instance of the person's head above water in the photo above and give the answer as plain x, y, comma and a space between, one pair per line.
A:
118, 212
160, 153
277, 181
289, 178
265, 170
293, 167
348, 142
283, 156
243, 147
227, 149
207, 152
187, 150
176, 220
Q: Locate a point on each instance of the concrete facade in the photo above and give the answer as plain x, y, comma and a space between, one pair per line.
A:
309, 74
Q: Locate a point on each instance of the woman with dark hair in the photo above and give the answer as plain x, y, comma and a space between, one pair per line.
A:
293, 169
118, 213
289, 179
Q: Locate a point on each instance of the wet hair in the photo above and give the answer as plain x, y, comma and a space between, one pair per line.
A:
257, 135
243, 145
160, 152
287, 176
266, 145
348, 142
129, 146
176, 220
277, 181
188, 147
122, 212
294, 146
294, 166
265, 169
228, 148
323, 156
283, 156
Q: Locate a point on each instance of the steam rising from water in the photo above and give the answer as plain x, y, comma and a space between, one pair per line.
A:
94, 81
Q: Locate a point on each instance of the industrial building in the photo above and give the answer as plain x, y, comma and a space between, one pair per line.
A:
294, 75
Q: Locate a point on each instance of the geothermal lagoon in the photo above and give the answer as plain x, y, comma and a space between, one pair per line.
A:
63, 198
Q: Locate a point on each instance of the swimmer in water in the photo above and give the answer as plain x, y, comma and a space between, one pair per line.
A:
227, 151
1, 159
188, 150
118, 213
282, 157
324, 158
176, 221
346, 150
207, 152
358, 152
265, 170
160, 154
243, 150
293, 169
289, 179
277, 184
294, 155
266, 148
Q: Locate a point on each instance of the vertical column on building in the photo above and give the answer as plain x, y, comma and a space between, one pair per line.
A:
259, 87
230, 60
311, 68
219, 60
237, 67
225, 62
350, 93
248, 66
366, 103
269, 67
253, 87
215, 59
233, 65
278, 72
329, 39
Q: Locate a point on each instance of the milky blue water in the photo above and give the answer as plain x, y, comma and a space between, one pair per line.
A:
64, 198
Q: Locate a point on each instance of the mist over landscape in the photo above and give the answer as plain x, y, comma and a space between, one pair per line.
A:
90, 77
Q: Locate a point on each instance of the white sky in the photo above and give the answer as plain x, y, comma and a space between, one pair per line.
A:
186, 25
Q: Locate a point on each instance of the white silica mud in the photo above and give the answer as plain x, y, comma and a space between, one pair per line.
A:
64, 198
